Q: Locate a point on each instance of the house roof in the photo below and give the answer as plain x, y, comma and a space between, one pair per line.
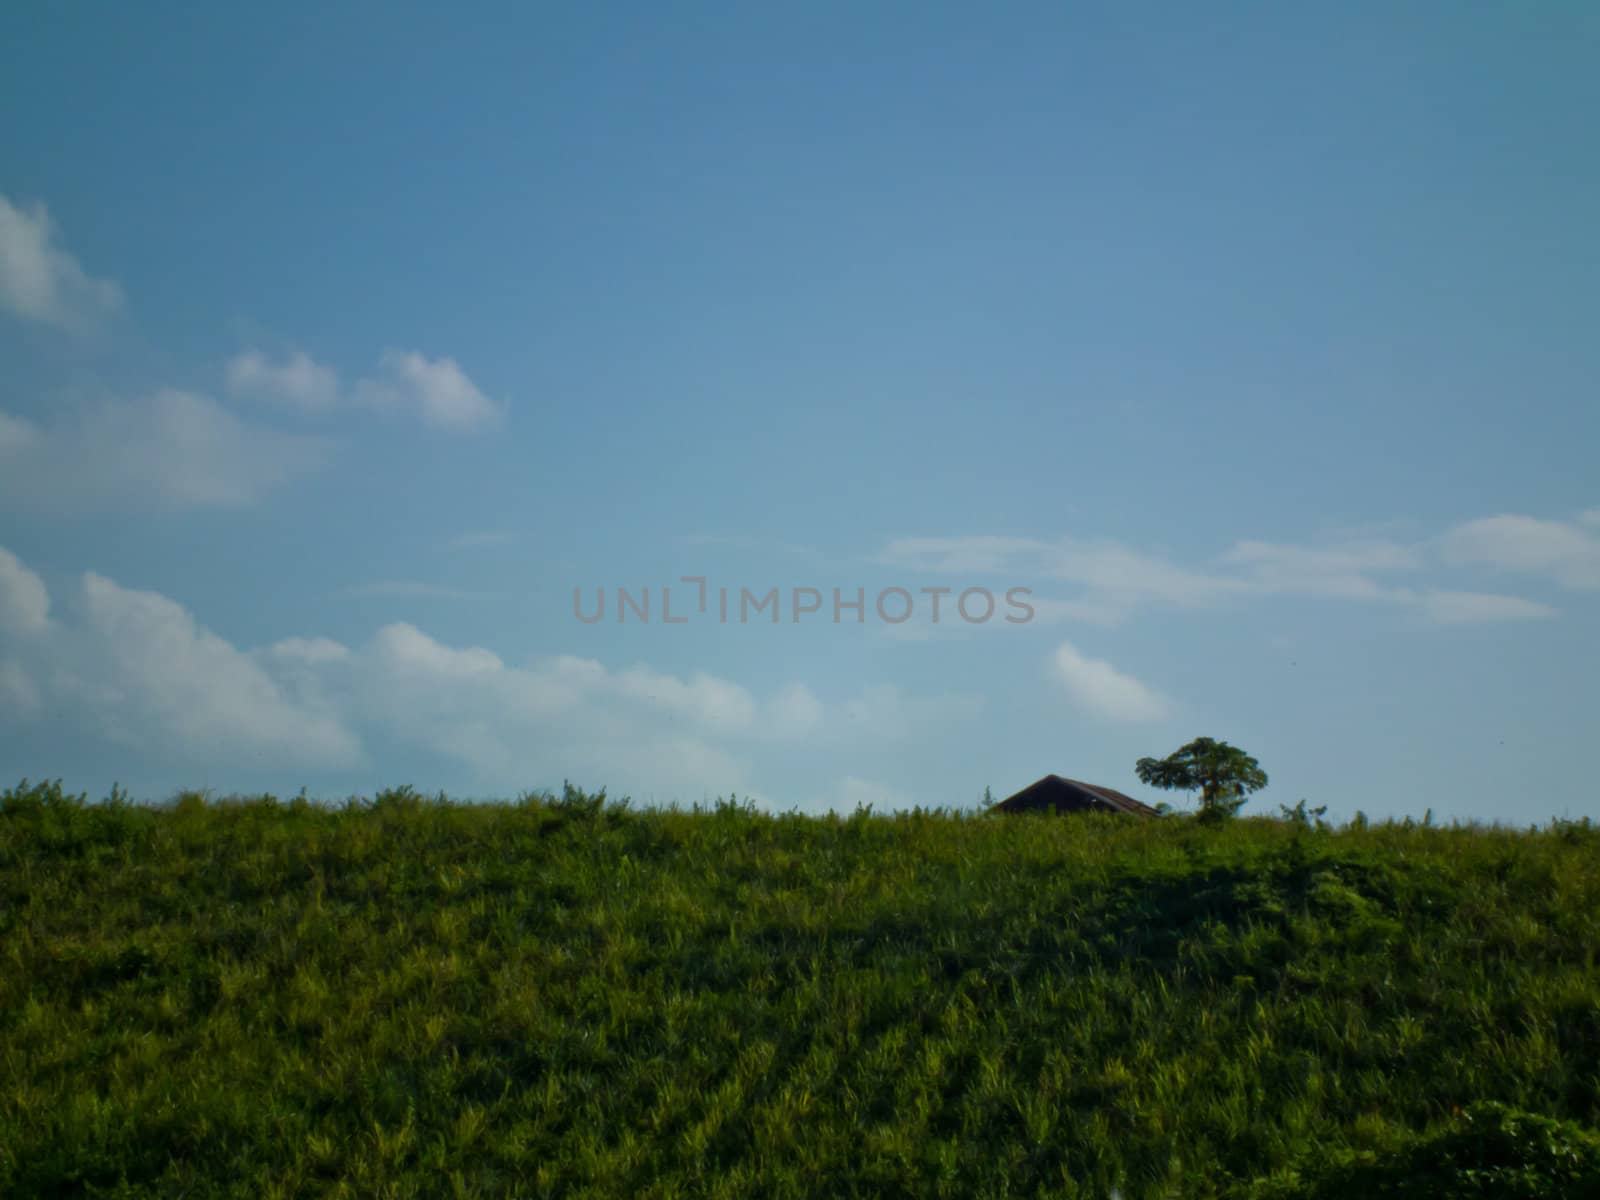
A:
1046, 791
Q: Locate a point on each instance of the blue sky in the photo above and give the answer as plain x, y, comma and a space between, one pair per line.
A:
342, 343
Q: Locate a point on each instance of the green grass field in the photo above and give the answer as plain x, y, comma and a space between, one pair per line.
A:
562, 997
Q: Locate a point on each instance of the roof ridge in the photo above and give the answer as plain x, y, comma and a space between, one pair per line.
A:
1108, 796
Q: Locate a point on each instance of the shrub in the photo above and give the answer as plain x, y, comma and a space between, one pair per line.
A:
1488, 1152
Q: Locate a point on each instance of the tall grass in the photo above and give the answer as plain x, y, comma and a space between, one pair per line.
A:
563, 997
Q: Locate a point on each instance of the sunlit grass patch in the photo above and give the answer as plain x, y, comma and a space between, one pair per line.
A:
563, 996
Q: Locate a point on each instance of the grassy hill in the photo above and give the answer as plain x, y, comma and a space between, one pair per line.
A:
561, 997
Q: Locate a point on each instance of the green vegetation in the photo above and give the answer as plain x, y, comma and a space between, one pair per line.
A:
1224, 775
562, 997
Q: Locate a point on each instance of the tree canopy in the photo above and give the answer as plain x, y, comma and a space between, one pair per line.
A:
1223, 775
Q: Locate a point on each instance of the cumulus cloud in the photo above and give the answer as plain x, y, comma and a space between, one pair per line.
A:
24, 601
437, 390
174, 679
140, 669
174, 449
137, 668
795, 712
17, 435
298, 380
19, 695
1096, 687
42, 282
1568, 553
715, 703
407, 650
636, 730
311, 651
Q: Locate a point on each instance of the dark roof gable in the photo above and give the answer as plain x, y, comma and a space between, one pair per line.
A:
1059, 794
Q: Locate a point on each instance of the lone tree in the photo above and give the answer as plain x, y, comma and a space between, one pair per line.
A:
1223, 774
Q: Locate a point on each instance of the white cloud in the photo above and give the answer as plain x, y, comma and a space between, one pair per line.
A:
173, 448
311, 651
407, 649
1115, 577
1339, 570
794, 712
1343, 571
579, 672
705, 699
1046, 611
169, 680
24, 600
18, 693
1108, 568
196, 686
639, 731
1472, 608
42, 282
1567, 553
402, 656
299, 380
136, 668
16, 435
436, 390
1098, 688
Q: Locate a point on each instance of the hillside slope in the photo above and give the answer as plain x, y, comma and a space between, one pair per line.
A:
560, 998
